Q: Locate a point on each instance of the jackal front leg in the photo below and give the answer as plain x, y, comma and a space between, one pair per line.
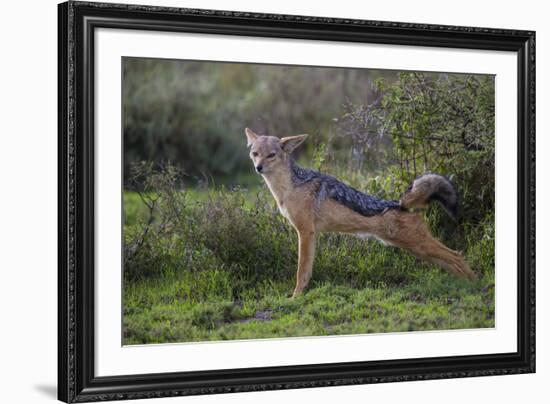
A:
306, 240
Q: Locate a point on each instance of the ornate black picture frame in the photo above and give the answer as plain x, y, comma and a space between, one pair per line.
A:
77, 24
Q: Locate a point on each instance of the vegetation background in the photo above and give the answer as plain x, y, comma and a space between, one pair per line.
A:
208, 257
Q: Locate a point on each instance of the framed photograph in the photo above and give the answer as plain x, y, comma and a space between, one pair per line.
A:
253, 202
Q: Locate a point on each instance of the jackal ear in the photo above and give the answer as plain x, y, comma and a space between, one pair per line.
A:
290, 143
250, 137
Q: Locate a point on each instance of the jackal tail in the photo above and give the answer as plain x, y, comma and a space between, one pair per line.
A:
428, 188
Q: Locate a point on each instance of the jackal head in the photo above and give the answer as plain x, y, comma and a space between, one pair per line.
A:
269, 153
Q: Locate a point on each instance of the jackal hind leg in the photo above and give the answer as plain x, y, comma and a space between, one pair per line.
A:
306, 247
432, 250
413, 235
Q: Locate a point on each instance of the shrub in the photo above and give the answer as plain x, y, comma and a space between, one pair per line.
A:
436, 123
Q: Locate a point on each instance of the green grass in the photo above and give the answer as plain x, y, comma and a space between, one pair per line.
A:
134, 209
223, 268
160, 312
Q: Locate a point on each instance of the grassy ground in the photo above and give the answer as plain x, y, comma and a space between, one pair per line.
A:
225, 270
159, 312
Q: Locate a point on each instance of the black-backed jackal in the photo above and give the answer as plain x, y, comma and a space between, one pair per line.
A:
315, 202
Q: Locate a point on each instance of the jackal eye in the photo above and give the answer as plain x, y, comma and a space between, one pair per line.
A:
270, 155
255, 154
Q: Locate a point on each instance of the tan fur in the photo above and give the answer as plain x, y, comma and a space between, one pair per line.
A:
297, 203
416, 199
423, 188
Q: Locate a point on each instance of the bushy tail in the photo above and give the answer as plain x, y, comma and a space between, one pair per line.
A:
428, 188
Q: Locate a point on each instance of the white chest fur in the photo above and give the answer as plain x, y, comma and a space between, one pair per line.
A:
281, 194
283, 210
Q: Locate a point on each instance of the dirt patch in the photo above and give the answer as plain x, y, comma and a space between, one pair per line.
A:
259, 316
